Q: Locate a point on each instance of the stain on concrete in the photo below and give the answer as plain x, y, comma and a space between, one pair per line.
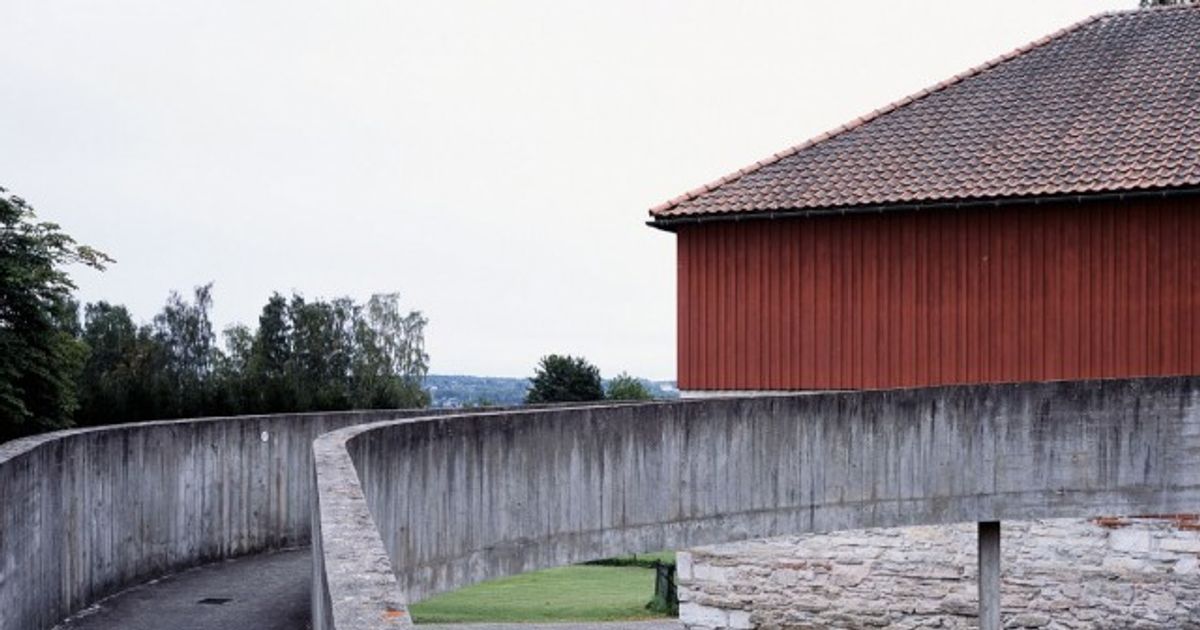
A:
85, 513
411, 508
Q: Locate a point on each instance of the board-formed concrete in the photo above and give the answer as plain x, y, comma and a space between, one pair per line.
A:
410, 508
86, 512
459, 499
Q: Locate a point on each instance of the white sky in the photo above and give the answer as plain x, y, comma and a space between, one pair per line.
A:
492, 161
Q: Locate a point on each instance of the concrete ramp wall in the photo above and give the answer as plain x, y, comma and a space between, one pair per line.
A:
86, 512
411, 508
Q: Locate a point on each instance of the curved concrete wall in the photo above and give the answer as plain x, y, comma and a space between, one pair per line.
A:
461, 499
86, 512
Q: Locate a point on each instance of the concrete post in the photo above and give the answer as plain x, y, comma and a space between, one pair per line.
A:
989, 575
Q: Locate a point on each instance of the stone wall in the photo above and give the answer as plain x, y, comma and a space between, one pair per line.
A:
1105, 573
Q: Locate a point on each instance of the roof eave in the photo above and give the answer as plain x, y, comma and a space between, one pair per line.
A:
671, 223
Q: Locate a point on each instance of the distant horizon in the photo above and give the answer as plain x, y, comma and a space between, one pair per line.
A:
494, 164
602, 376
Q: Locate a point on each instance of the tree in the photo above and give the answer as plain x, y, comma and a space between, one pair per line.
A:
626, 387
270, 358
319, 355
40, 355
166, 369
184, 332
109, 379
564, 379
1163, 3
390, 362
234, 389
322, 352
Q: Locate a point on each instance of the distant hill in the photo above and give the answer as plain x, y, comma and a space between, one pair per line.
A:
454, 390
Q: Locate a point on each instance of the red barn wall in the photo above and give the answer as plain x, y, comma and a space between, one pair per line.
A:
1064, 291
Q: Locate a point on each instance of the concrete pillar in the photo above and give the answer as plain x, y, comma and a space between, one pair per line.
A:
989, 575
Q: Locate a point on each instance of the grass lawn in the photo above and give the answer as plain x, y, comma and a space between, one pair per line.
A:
574, 593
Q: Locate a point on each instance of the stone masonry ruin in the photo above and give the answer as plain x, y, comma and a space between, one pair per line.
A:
1058, 574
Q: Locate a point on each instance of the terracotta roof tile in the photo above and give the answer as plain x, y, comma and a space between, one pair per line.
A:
1109, 104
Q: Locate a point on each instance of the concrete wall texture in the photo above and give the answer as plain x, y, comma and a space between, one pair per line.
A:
411, 508
86, 512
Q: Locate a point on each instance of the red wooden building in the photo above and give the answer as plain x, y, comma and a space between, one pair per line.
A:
1035, 218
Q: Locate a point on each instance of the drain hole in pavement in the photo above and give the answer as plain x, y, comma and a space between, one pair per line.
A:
215, 601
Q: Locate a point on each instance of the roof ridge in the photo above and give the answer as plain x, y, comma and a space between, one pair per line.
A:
1158, 7
895, 105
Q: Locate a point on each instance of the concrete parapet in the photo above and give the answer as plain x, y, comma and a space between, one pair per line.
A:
414, 503
440, 503
86, 512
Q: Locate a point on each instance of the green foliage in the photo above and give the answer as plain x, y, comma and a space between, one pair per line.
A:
390, 363
112, 385
270, 359
304, 356
626, 387
666, 593
322, 347
40, 355
170, 368
643, 560
234, 384
188, 352
564, 379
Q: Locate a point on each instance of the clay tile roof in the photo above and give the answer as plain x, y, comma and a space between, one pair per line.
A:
1109, 104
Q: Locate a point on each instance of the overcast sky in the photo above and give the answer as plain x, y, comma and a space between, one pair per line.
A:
491, 161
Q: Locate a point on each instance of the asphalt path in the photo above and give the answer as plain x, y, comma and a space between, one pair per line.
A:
263, 592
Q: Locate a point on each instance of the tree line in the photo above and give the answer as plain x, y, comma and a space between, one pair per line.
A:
62, 365
304, 355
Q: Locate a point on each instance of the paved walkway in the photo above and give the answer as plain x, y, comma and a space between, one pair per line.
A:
266, 592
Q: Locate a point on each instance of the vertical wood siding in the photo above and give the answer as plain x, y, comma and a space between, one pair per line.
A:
925, 298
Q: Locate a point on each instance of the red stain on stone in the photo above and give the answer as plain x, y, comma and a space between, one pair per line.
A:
1186, 522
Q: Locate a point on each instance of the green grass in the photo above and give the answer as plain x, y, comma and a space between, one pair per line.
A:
575, 593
